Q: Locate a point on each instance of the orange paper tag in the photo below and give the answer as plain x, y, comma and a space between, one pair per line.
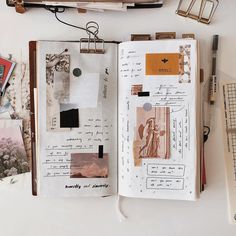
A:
162, 63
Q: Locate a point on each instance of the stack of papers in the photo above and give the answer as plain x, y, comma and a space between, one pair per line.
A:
101, 6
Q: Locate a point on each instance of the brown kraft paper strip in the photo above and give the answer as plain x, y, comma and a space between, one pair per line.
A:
163, 64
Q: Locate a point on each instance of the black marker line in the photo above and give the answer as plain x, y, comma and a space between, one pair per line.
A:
100, 151
143, 94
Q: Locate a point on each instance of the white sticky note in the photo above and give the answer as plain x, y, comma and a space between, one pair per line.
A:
84, 90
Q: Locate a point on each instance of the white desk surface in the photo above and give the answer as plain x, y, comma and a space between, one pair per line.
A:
22, 214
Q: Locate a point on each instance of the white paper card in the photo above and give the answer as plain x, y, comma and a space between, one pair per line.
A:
84, 90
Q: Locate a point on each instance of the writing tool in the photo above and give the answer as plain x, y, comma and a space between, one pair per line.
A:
213, 81
1, 71
1, 76
1, 80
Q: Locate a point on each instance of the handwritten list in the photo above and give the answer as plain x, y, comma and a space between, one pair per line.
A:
58, 157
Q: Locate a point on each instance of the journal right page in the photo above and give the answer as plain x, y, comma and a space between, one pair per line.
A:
158, 119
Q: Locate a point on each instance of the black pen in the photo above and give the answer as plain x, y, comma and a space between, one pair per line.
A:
1, 81
213, 84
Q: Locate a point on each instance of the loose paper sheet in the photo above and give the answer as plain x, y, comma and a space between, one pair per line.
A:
228, 115
80, 161
157, 122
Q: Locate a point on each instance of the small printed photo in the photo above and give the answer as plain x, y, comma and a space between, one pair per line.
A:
67, 106
136, 88
69, 116
56, 63
88, 165
185, 64
57, 87
61, 86
152, 133
13, 158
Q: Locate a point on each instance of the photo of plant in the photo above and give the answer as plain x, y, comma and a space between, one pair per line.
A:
13, 158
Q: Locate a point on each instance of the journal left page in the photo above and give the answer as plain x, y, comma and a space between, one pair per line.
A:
76, 120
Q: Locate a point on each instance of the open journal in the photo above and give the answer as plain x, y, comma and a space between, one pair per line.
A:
124, 122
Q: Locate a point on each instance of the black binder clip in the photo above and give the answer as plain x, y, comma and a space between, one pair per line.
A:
92, 44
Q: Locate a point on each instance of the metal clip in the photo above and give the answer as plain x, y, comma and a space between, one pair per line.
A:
92, 29
214, 4
186, 12
19, 6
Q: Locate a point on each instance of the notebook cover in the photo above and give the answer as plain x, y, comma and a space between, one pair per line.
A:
8, 69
